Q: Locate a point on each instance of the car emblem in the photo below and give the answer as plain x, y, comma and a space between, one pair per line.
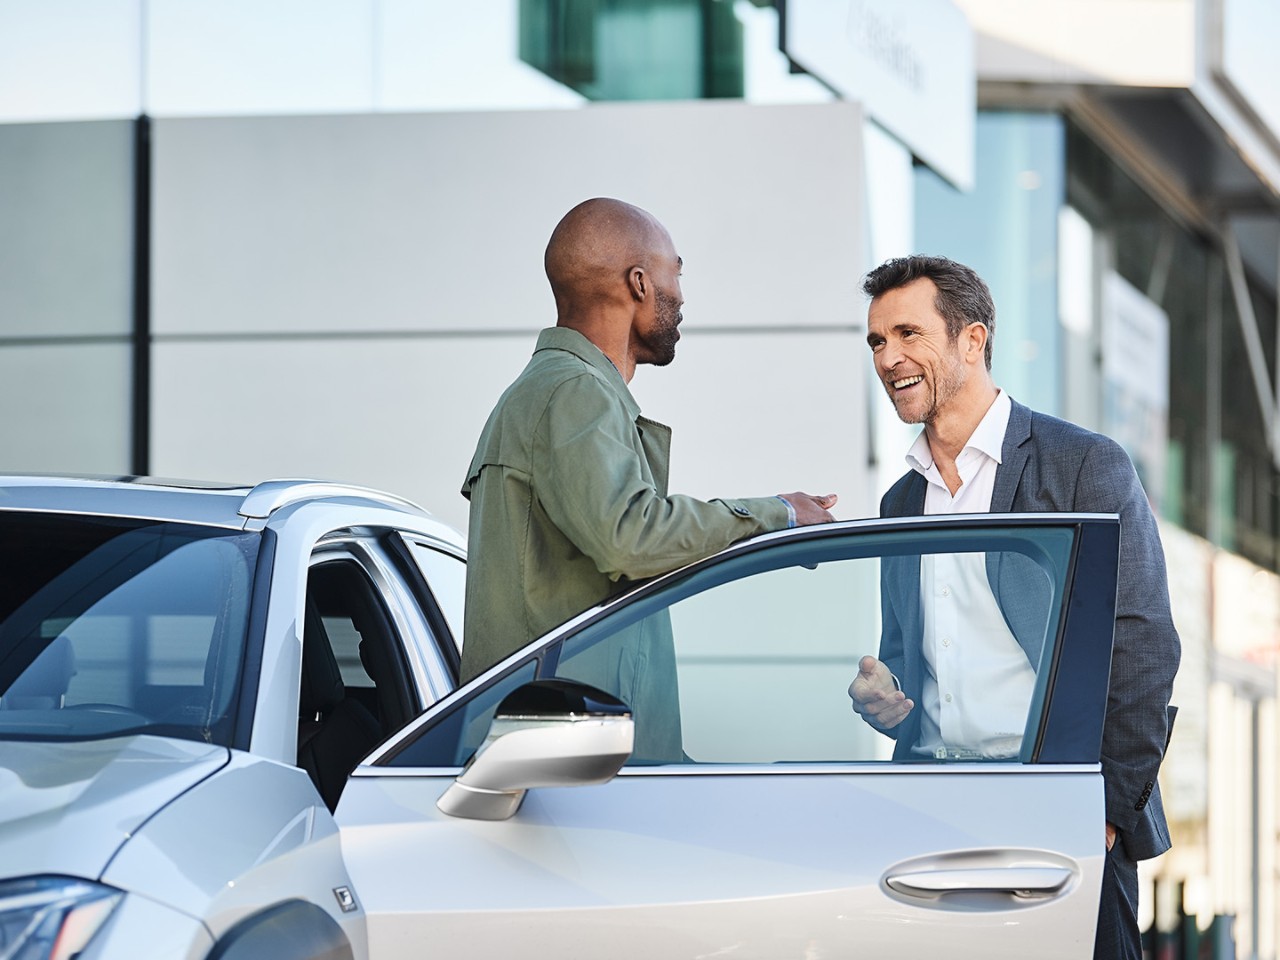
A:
346, 899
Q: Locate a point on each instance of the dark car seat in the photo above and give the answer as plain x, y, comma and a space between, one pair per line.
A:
334, 731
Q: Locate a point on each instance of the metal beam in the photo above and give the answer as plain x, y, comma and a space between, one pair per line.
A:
1252, 339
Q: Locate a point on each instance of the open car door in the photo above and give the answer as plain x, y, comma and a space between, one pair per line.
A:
755, 815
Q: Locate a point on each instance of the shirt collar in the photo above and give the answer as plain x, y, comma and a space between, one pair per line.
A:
987, 437
571, 341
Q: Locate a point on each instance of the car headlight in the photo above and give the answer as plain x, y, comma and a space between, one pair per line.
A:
51, 918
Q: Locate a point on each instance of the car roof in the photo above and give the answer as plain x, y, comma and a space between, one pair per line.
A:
188, 501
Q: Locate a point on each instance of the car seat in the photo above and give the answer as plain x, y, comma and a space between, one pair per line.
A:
334, 731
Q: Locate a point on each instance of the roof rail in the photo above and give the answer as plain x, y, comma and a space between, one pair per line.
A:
270, 495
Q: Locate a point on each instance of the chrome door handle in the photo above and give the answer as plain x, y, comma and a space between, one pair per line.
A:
1024, 882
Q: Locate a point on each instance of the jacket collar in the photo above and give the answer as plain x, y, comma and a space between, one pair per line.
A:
571, 341
1014, 457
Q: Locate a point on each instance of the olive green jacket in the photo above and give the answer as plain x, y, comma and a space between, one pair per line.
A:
569, 504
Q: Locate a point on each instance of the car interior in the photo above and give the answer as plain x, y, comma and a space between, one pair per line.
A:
355, 690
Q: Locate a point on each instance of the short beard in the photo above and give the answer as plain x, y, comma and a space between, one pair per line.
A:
944, 391
667, 317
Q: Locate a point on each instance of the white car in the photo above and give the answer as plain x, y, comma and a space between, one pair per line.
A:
230, 728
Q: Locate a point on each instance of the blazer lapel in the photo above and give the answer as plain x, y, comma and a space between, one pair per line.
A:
1014, 454
907, 497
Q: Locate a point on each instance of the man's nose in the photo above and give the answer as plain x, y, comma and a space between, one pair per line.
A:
888, 357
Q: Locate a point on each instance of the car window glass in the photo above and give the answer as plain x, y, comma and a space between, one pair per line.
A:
750, 662
455, 735
114, 625
446, 577
749, 659
349, 616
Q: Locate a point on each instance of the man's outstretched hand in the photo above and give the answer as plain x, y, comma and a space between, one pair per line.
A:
811, 509
876, 698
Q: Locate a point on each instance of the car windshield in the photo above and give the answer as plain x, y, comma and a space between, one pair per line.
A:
111, 626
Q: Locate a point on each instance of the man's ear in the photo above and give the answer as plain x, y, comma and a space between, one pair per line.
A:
975, 335
637, 283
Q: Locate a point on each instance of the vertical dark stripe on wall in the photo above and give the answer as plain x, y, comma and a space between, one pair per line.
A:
140, 457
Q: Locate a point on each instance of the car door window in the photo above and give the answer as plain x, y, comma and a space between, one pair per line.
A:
446, 575
753, 662
748, 659
347, 615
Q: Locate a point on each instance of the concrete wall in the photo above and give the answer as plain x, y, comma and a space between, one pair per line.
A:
345, 297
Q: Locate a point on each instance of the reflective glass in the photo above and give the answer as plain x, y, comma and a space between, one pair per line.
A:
635, 49
1006, 229
749, 660
110, 626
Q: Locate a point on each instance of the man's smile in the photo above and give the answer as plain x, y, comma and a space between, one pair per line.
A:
907, 382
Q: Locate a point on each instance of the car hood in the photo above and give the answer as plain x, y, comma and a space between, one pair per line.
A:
66, 808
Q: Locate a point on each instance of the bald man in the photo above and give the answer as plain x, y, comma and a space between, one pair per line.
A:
568, 486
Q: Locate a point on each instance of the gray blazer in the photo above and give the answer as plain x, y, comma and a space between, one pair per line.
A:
1050, 465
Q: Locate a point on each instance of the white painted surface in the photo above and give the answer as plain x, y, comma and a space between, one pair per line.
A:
777, 864
397, 263
438, 222
69, 408
909, 62
1127, 42
66, 229
90, 59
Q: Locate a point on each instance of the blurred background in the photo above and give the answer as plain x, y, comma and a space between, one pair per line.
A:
243, 239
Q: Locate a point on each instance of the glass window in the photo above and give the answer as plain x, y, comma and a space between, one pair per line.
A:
349, 628
454, 737
750, 660
1006, 230
446, 576
635, 49
1219, 475
109, 625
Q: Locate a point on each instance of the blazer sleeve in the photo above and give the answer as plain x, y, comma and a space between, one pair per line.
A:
1146, 648
893, 642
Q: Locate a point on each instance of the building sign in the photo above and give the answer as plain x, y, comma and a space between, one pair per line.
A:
909, 62
1135, 379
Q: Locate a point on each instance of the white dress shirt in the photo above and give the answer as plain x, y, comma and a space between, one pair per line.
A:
978, 681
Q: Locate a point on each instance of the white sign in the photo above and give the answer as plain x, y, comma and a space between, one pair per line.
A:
1135, 374
909, 62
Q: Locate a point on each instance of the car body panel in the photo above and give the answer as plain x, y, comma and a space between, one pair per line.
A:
263, 837
144, 929
125, 497
746, 865
68, 807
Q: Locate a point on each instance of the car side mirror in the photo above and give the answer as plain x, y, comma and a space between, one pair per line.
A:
546, 733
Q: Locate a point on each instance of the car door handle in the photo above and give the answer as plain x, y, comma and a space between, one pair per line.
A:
1024, 882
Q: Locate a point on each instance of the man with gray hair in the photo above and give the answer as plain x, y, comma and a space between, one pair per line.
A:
930, 327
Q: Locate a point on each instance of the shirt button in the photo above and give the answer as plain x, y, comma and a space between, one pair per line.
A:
948, 698
946, 641
946, 591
